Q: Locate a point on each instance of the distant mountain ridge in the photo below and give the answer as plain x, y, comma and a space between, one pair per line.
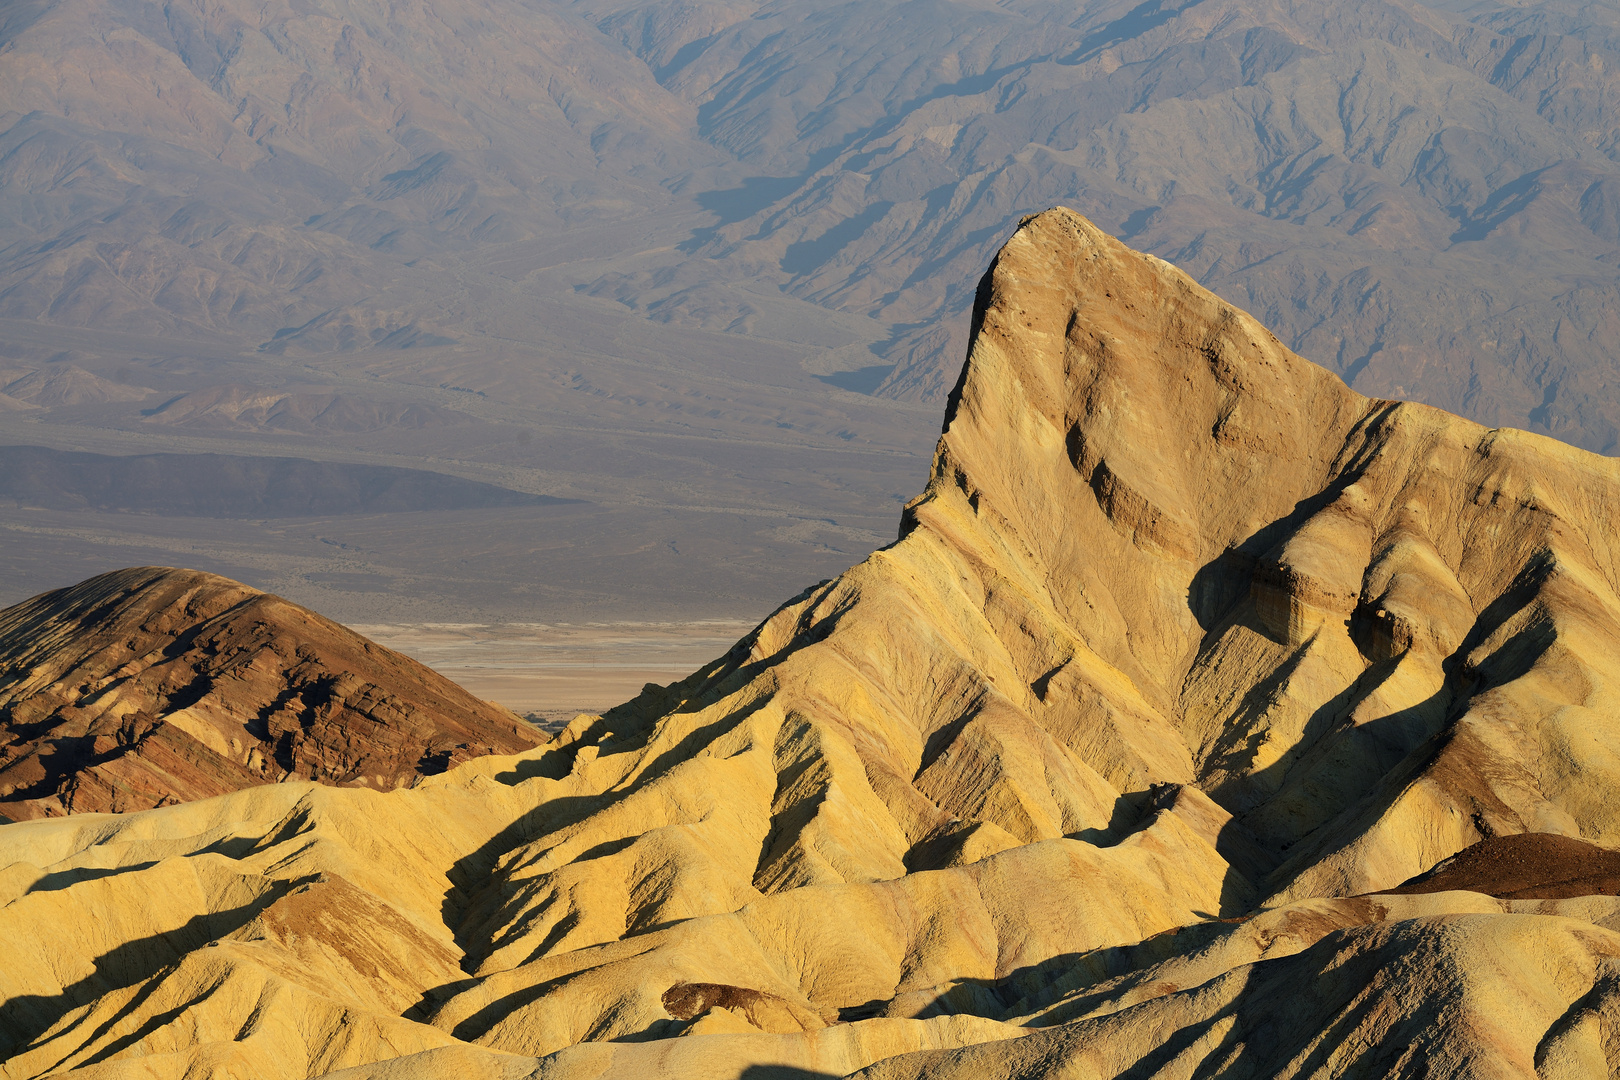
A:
239, 169
1418, 199
1421, 197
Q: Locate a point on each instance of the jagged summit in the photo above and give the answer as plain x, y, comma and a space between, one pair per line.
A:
1185, 651
1206, 559
153, 685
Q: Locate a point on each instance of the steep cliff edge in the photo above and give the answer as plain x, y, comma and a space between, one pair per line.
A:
1186, 657
149, 686
1159, 549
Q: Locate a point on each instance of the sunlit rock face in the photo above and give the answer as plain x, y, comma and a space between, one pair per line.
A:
1185, 658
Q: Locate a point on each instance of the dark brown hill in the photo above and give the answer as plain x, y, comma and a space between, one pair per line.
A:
152, 685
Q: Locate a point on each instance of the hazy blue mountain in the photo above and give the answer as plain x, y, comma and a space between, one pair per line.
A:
1424, 199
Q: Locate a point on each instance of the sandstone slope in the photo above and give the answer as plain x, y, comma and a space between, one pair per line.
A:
149, 686
1186, 657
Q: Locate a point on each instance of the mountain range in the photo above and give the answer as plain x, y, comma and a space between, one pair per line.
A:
1207, 718
417, 235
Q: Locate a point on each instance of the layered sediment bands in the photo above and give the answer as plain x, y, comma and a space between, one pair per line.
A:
1185, 657
152, 685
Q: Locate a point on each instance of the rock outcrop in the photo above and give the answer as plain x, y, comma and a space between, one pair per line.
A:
1121, 760
150, 686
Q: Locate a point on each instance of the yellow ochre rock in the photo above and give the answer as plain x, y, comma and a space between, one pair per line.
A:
1186, 655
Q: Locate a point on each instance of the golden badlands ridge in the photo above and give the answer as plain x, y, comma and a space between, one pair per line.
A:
1186, 656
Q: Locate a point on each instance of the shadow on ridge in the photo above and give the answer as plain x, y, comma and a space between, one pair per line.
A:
66, 879
1384, 752
732, 205
475, 893
25, 1017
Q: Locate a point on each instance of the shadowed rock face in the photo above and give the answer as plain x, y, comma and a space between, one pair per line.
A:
1524, 866
1184, 650
151, 686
